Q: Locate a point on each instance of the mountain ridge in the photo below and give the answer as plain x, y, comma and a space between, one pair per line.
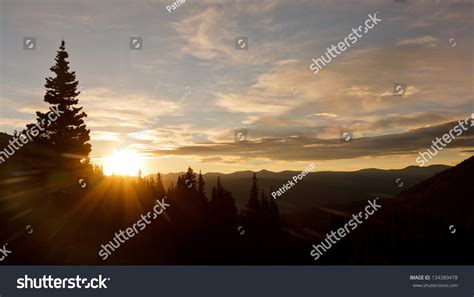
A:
317, 188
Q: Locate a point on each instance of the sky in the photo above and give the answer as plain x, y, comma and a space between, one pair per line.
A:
190, 75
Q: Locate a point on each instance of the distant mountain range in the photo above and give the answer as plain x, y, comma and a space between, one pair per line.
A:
319, 188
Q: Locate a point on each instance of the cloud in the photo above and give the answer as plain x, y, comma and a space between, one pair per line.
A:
409, 121
205, 33
121, 107
324, 114
425, 41
105, 135
304, 148
275, 92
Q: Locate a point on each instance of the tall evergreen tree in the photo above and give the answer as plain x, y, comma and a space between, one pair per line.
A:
67, 136
190, 179
201, 185
201, 190
159, 186
223, 211
253, 204
216, 194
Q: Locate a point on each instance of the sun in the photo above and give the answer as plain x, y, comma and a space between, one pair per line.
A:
123, 162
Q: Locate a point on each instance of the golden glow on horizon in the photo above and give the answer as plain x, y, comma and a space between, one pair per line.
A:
123, 162
173, 164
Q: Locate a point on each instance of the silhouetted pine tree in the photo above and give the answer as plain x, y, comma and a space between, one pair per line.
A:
190, 179
222, 209
160, 189
67, 136
222, 223
98, 171
251, 211
201, 191
140, 175
170, 190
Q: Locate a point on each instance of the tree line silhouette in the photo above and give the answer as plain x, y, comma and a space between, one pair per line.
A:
200, 227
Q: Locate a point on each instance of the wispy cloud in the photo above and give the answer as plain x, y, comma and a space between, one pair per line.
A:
426, 41
291, 113
303, 148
